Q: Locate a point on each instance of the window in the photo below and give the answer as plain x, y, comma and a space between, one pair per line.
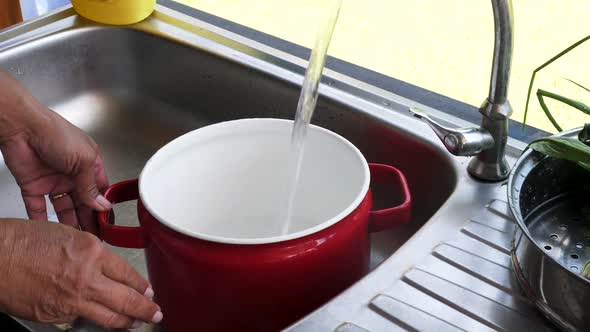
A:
441, 46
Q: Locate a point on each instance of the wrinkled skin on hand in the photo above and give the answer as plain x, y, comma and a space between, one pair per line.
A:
47, 155
54, 273
50, 272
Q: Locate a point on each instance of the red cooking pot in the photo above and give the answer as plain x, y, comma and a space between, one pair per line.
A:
210, 207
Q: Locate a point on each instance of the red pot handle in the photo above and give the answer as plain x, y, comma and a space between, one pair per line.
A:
394, 216
121, 236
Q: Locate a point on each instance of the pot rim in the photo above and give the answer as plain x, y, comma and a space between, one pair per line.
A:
363, 190
515, 210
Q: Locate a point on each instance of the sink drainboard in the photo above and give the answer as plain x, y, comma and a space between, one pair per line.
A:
466, 284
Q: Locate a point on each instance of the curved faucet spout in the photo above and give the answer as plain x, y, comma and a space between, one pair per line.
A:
503, 45
487, 143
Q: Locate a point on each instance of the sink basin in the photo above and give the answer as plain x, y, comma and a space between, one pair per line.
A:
135, 88
134, 91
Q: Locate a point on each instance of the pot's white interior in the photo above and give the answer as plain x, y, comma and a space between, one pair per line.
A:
227, 182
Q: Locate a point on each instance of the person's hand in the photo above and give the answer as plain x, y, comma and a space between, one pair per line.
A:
54, 274
47, 155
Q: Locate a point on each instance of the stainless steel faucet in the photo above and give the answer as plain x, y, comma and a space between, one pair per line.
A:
487, 143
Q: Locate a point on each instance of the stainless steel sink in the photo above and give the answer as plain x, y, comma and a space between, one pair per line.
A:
133, 91
135, 88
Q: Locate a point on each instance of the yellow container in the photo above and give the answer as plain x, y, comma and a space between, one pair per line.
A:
116, 12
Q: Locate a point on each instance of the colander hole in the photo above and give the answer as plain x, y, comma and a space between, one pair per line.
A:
574, 256
554, 236
548, 247
564, 227
579, 245
574, 268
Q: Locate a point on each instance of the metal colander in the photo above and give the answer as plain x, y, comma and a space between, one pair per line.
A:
562, 228
549, 199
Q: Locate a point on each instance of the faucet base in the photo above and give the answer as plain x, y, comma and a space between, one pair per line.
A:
490, 164
492, 172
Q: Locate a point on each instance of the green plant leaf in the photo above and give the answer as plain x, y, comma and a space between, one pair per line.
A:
540, 95
570, 102
538, 69
564, 148
578, 84
586, 271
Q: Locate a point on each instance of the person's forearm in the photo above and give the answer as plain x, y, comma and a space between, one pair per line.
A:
19, 111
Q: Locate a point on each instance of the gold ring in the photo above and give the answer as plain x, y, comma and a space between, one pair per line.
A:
58, 196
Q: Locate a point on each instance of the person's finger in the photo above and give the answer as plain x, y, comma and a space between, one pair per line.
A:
103, 316
87, 218
65, 209
126, 301
118, 269
35, 206
102, 181
87, 190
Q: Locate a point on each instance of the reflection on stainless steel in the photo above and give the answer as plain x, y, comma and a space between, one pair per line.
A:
135, 88
488, 143
465, 284
460, 142
92, 104
550, 244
